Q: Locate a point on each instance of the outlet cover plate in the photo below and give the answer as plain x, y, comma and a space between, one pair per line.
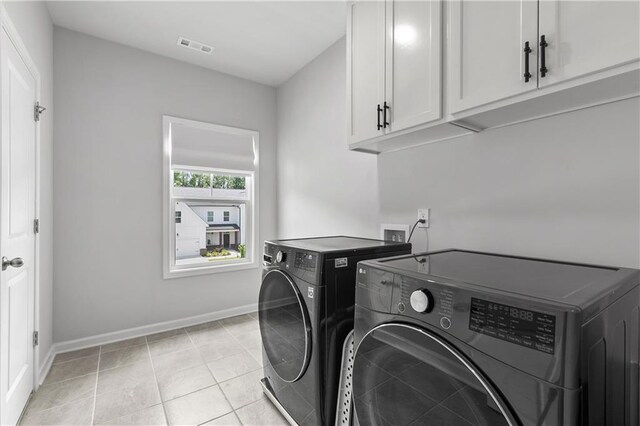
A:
423, 214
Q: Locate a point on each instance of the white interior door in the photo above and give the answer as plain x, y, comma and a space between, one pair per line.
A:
486, 50
17, 238
413, 62
588, 36
365, 68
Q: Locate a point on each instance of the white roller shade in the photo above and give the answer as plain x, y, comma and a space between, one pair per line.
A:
212, 149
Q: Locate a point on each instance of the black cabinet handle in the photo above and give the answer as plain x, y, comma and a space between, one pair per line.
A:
384, 116
543, 62
379, 110
527, 50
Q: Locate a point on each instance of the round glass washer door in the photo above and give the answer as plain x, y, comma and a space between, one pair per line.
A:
404, 375
284, 326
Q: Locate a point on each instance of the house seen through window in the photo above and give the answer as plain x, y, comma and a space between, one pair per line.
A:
198, 196
211, 198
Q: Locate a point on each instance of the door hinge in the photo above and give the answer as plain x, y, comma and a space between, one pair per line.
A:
36, 226
36, 338
37, 110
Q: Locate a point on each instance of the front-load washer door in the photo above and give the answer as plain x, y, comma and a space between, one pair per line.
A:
404, 375
284, 325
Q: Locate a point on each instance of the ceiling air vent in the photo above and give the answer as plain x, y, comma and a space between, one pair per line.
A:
195, 45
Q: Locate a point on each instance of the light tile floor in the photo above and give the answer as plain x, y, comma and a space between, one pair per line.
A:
205, 374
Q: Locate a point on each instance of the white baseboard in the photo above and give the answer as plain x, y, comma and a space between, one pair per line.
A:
115, 336
46, 366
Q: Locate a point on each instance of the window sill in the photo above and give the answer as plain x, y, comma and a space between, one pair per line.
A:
207, 270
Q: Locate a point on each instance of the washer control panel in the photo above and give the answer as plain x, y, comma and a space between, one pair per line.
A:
425, 300
462, 312
523, 327
525, 333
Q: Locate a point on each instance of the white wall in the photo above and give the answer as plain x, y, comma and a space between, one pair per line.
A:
108, 131
565, 187
323, 189
34, 25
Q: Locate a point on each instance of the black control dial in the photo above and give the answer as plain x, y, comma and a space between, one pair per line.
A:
281, 256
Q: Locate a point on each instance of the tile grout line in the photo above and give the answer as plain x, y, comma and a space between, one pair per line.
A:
155, 376
28, 406
125, 365
214, 378
215, 384
251, 356
259, 362
104, 370
242, 345
72, 359
61, 382
95, 389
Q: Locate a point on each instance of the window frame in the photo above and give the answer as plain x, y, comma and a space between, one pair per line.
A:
170, 268
211, 213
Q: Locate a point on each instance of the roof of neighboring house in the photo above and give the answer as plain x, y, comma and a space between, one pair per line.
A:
224, 227
190, 210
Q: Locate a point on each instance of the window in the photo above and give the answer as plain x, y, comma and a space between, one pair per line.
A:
210, 171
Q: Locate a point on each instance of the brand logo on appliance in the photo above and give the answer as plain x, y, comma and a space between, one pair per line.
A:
342, 262
310, 292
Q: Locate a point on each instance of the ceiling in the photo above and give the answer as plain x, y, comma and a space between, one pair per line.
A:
263, 41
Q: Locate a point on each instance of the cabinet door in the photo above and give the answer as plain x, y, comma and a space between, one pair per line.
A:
365, 68
486, 55
588, 36
413, 77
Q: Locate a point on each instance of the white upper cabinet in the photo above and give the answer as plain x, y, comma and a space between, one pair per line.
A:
393, 66
507, 61
414, 40
365, 69
492, 45
584, 37
486, 51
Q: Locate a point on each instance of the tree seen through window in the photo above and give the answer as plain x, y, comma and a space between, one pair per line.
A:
207, 180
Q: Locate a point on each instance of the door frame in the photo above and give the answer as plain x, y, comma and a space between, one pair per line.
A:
9, 28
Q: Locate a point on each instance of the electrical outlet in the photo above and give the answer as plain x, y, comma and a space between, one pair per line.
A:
423, 214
